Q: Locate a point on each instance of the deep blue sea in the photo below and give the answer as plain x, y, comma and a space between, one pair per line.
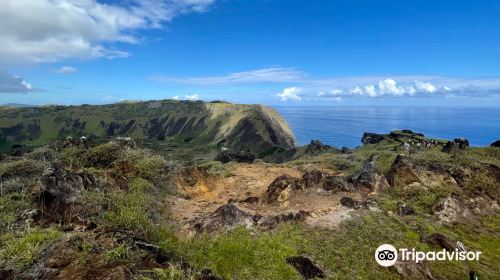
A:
344, 126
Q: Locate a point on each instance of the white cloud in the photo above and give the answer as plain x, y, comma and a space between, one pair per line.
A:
192, 97
425, 87
291, 93
13, 84
66, 70
35, 31
264, 75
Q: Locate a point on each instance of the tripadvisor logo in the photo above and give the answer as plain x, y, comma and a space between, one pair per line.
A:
387, 255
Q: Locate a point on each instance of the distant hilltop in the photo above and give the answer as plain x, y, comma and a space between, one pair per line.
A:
256, 129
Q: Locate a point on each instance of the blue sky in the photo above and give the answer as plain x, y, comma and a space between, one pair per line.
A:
383, 53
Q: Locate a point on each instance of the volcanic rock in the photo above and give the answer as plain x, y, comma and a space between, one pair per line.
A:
281, 189
370, 177
441, 240
337, 183
305, 267
225, 217
226, 155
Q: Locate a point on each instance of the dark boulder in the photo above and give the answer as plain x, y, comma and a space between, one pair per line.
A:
250, 200
370, 177
225, 217
281, 188
372, 138
228, 155
496, 144
207, 274
313, 179
404, 210
441, 240
305, 267
350, 203
337, 183
455, 145
56, 191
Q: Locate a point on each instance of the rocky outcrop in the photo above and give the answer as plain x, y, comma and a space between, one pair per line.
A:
226, 155
413, 270
407, 139
495, 144
313, 179
281, 189
315, 147
370, 177
224, 218
337, 183
350, 203
57, 190
440, 240
455, 145
305, 267
407, 171
451, 211
372, 138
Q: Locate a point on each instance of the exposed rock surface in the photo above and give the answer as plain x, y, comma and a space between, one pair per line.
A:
315, 148
227, 155
496, 144
337, 183
225, 217
305, 267
441, 240
370, 177
455, 145
281, 189
57, 190
413, 270
451, 211
406, 171
350, 203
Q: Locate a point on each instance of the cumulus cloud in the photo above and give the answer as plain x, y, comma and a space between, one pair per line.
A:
66, 70
290, 94
389, 87
51, 30
13, 84
264, 75
192, 97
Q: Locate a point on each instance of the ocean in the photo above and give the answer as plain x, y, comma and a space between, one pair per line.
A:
344, 126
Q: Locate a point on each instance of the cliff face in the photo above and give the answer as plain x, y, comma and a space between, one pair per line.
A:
254, 128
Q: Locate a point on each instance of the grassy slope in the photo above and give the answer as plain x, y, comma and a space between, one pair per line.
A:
193, 122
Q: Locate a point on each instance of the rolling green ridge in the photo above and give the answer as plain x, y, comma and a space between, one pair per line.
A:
254, 128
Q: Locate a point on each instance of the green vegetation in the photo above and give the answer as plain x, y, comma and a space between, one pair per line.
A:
24, 250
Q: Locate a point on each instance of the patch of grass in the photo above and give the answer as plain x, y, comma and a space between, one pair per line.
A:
170, 273
118, 254
26, 249
419, 197
11, 207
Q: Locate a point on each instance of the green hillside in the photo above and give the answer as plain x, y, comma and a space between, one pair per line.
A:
254, 128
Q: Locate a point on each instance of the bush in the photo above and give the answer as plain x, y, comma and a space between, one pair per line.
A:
43, 154
152, 168
22, 168
103, 155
